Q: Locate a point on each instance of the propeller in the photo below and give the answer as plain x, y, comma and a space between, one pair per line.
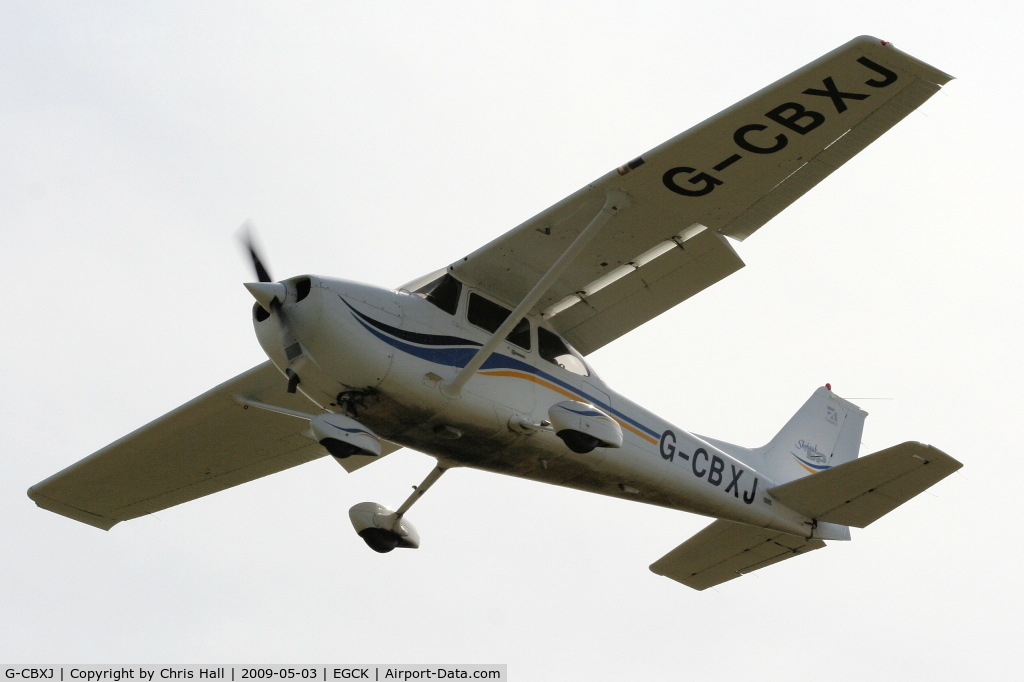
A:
270, 295
245, 235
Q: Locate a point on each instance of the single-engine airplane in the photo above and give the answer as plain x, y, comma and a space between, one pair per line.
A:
482, 364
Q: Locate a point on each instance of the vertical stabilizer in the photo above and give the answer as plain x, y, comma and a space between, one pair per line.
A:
824, 433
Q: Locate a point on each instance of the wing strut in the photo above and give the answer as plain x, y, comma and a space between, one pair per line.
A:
615, 202
252, 402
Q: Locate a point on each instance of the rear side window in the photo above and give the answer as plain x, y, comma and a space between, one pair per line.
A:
555, 350
489, 315
443, 292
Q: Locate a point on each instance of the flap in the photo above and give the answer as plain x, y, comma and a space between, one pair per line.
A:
731, 173
726, 550
206, 445
646, 290
862, 491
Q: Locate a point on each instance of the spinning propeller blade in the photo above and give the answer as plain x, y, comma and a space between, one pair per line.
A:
271, 295
245, 234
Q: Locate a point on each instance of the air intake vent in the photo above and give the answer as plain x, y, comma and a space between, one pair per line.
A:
259, 312
302, 287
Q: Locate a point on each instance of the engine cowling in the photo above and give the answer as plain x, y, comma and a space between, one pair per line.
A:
584, 427
343, 436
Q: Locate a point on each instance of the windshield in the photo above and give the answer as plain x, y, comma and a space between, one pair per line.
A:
443, 292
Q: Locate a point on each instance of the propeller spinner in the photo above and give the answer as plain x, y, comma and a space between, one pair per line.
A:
271, 295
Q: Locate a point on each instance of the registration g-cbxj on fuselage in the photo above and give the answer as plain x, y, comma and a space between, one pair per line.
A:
482, 364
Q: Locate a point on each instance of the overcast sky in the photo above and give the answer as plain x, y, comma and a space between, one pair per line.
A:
379, 141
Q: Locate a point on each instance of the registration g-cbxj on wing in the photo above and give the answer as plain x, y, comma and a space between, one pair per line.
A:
482, 364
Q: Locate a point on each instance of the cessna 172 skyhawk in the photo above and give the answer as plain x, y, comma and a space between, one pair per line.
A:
482, 364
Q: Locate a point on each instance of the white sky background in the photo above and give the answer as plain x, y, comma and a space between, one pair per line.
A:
379, 141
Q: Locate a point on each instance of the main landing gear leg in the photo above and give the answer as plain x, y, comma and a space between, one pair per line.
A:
384, 530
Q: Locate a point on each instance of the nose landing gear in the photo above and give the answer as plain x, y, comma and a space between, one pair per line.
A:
382, 529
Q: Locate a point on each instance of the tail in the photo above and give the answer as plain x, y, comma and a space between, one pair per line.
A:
822, 438
824, 433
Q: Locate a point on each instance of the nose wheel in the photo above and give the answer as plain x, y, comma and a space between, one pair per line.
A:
384, 530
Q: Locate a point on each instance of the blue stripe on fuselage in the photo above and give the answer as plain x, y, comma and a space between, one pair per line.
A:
415, 337
460, 357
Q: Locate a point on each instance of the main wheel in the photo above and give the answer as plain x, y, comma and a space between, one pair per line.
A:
577, 441
380, 540
340, 449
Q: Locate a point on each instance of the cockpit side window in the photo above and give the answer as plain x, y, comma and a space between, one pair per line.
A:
443, 292
489, 315
555, 350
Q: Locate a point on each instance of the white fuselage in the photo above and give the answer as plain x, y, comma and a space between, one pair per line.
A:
395, 350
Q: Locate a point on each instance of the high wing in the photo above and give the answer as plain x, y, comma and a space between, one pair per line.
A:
211, 443
725, 177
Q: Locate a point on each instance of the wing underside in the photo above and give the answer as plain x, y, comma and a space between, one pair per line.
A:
724, 177
208, 444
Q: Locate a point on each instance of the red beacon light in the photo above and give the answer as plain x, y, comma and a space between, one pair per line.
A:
828, 386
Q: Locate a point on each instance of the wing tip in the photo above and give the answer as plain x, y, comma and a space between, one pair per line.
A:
73, 513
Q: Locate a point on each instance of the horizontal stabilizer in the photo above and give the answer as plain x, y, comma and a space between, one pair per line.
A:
862, 491
726, 550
